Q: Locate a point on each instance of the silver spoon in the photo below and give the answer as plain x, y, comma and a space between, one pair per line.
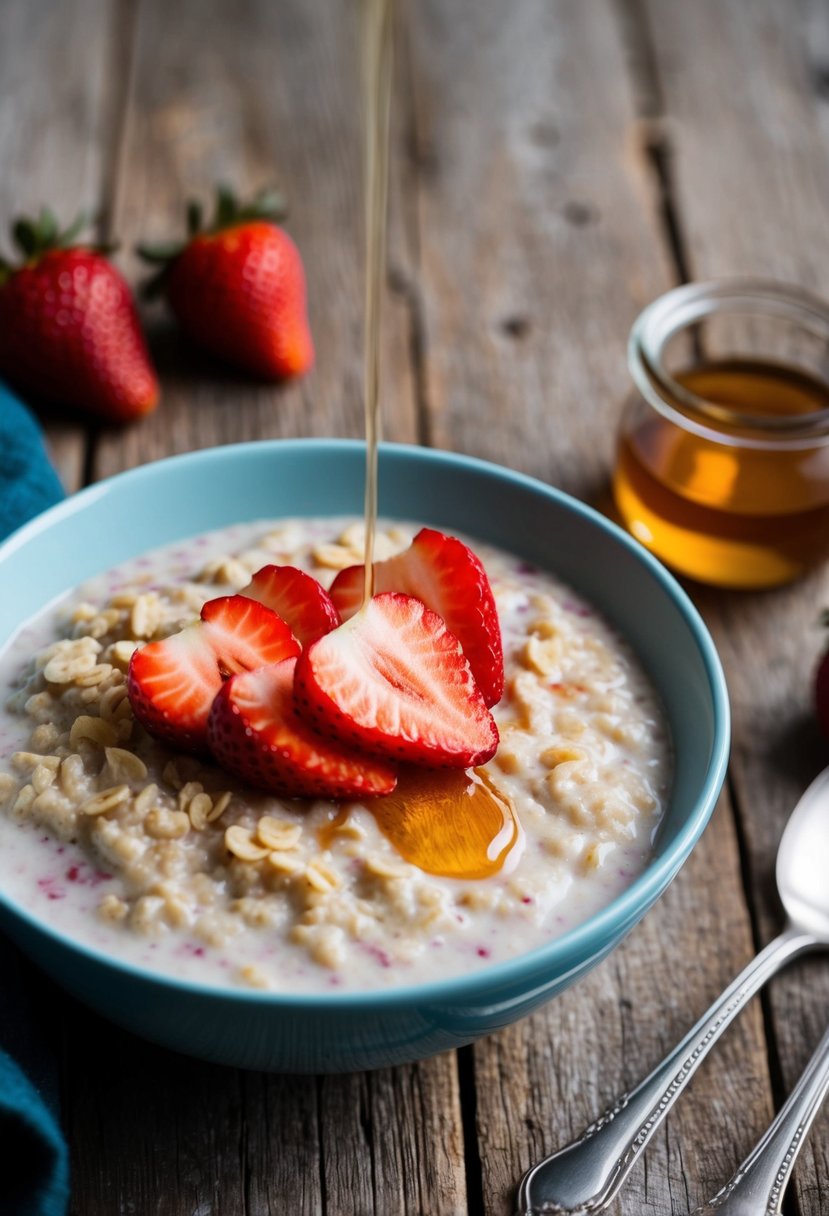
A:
582, 1178
757, 1188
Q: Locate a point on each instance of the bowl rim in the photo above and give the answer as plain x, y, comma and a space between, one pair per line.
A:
588, 939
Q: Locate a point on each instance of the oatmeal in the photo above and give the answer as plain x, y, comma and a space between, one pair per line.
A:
165, 860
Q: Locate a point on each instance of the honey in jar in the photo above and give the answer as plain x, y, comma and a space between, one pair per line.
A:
722, 468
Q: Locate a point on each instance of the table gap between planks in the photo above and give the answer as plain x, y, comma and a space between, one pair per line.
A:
555, 166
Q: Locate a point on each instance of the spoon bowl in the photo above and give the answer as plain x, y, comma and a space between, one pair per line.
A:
802, 869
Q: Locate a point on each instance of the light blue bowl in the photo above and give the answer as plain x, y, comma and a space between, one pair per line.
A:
172, 499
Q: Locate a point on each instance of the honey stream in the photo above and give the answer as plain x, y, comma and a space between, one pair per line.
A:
378, 27
452, 823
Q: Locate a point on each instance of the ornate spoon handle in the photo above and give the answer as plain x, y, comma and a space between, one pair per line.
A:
583, 1177
758, 1185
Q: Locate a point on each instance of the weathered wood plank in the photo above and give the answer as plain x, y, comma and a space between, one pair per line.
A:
55, 137
224, 93
205, 107
417, 1141
543, 1081
281, 1145
536, 250
152, 1131
174, 1136
524, 242
749, 130
56, 96
538, 242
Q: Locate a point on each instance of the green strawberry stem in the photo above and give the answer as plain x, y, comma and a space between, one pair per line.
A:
35, 237
267, 204
162, 253
195, 217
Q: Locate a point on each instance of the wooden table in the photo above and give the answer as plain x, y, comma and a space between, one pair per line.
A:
555, 166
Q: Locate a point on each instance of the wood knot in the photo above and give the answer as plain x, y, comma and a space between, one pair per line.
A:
516, 327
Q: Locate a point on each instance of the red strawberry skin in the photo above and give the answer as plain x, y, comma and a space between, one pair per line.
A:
240, 294
449, 578
299, 599
172, 683
69, 334
255, 733
394, 682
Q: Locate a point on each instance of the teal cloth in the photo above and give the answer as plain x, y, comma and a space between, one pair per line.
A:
34, 1169
28, 483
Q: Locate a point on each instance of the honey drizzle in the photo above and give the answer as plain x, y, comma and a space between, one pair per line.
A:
327, 833
456, 823
377, 71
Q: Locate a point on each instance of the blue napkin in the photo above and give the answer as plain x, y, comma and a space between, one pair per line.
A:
34, 1175
28, 483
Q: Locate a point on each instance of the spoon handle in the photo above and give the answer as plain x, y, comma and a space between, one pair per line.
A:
757, 1187
583, 1177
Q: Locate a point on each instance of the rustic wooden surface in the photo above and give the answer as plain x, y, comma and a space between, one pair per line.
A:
555, 166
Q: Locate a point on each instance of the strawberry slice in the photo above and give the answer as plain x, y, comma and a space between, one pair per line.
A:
254, 732
394, 681
172, 683
297, 597
449, 578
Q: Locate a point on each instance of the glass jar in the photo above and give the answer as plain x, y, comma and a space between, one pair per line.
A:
722, 467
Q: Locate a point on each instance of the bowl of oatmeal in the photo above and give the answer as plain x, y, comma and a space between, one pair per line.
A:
307, 934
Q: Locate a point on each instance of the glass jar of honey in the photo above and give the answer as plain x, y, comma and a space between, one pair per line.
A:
722, 468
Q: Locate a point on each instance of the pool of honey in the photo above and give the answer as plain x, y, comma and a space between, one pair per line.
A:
455, 824
721, 512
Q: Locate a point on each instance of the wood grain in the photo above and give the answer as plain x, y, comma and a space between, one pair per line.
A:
543, 1081
204, 107
54, 146
55, 141
149, 1128
537, 246
392, 1141
749, 129
528, 228
539, 241
208, 107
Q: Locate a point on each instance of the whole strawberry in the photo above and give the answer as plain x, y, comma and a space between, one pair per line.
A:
237, 287
69, 332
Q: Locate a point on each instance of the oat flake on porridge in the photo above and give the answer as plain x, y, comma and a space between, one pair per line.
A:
162, 859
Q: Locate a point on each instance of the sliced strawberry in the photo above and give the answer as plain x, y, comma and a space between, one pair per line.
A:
172, 683
393, 680
444, 573
255, 733
297, 597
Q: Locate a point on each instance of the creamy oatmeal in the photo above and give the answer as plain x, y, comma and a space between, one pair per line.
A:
164, 860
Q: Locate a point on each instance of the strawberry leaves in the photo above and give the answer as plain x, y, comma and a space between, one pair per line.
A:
268, 204
37, 235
